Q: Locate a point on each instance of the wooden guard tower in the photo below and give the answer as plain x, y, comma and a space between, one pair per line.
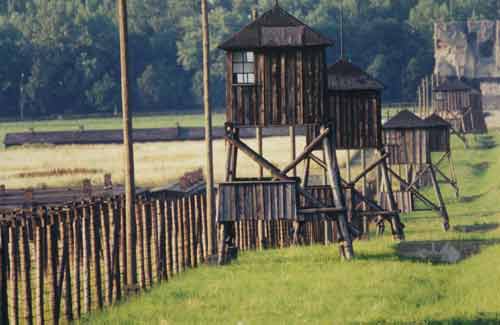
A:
439, 141
354, 111
276, 76
407, 140
460, 105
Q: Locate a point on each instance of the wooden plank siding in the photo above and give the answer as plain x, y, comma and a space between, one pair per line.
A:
439, 139
404, 200
407, 146
453, 101
462, 109
356, 118
289, 89
257, 200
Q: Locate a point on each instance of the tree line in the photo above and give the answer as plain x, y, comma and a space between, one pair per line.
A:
61, 56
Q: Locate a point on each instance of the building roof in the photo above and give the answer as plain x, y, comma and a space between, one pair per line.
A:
343, 75
275, 28
452, 85
405, 120
435, 120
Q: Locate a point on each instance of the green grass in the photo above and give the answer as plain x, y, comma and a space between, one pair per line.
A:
160, 121
310, 285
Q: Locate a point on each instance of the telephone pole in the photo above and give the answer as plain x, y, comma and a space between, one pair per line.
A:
209, 167
128, 147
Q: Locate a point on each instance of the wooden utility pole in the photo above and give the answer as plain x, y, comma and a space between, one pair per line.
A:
258, 130
128, 146
209, 168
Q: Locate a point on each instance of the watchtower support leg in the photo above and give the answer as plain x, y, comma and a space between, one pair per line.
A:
305, 179
366, 219
335, 182
439, 196
453, 174
396, 225
227, 248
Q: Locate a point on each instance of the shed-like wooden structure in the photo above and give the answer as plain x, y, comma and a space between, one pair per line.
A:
353, 107
276, 76
460, 105
354, 111
408, 140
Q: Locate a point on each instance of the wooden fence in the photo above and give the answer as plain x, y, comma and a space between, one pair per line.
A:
58, 264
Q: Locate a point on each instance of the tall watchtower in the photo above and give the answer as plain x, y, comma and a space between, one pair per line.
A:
276, 76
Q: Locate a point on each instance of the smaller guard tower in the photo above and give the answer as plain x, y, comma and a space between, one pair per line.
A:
407, 140
439, 138
354, 109
276, 76
460, 105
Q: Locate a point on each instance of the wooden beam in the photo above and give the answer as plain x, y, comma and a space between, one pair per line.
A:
439, 196
258, 133
370, 168
320, 210
128, 146
306, 152
335, 183
419, 195
348, 165
293, 148
256, 157
318, 161
209, 162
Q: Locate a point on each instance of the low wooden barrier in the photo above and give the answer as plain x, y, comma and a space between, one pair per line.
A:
58, 264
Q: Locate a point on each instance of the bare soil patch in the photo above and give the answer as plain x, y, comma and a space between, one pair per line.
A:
443, 251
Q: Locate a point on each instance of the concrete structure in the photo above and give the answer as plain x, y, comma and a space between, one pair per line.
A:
470, 50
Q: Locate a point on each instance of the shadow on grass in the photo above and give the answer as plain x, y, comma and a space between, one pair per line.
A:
481, 318
480, 168
482, 227
442, 251
470, 198
484, 142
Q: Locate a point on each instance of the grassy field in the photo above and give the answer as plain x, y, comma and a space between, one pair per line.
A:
156, 163
310, 285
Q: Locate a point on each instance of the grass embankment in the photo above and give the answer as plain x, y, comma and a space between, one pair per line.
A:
310, 285
111, 123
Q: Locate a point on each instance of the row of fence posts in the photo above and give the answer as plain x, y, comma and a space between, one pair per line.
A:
58, 264
425, 94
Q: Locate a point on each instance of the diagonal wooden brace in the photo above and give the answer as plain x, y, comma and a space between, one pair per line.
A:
306, 152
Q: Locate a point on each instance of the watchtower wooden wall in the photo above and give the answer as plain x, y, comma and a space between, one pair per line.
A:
356, 117
289, 89
452, 101
407, 146
439, 139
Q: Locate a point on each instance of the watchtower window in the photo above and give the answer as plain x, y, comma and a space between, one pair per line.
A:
243, 68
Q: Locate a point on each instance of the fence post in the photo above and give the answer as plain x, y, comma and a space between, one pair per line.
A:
4, 260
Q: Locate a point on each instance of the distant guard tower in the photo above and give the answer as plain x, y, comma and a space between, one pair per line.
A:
460, 105
407, 139
276, 76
